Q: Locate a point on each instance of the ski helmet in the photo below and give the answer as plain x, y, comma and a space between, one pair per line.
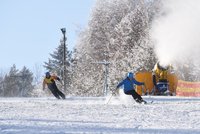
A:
130, 75
47, 74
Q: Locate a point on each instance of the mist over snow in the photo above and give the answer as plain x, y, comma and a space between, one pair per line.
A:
176, 32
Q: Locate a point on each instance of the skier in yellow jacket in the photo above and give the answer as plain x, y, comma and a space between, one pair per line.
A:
50, 82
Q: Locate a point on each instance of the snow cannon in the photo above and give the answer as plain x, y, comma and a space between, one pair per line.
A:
167, 87
162, 88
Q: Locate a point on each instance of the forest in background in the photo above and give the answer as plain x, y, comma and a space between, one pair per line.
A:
118, 36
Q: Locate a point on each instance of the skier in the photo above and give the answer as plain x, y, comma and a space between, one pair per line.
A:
128, 83
50, 82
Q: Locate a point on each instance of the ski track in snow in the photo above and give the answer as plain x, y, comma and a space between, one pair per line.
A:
91, 115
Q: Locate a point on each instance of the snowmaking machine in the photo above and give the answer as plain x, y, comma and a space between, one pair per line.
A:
160, 81
162, 88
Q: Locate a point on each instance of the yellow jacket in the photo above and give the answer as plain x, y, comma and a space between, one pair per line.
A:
50, 80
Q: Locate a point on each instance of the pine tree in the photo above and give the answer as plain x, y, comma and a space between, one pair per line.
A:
18, 83
55, 63
25, 80
132, 45
118, 33
1, 86
11, 83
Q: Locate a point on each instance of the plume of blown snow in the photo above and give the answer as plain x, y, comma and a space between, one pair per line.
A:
125, 99
177, 32
121, 99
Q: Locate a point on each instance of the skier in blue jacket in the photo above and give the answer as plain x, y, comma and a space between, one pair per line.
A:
128, 84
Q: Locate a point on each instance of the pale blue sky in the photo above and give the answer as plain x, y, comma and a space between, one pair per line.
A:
30, 29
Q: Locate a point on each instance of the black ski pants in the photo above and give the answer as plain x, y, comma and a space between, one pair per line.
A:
135, 95
56, 92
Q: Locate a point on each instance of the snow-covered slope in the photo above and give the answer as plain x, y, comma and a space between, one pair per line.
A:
92, 115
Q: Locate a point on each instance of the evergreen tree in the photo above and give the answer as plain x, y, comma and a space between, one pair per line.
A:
189, 71
18, 83
1, 86
11, 83
117, 33
131, 42
25, 80
93, 46
55, 63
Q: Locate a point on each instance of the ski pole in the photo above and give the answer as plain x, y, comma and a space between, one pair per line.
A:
109, 99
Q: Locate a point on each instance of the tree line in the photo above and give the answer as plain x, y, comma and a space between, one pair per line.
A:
17, 83
118, 33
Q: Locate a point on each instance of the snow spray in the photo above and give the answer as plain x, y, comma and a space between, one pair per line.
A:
176, 32
121, 99
125, 99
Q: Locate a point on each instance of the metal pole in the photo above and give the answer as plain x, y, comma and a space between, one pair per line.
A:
105, 84
64, 58
106, 53
64, 71
106, 79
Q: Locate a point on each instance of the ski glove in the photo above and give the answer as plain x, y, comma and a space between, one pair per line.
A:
143, 83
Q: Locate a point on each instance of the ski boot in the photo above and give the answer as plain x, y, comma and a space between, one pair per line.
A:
143, 101
138, 101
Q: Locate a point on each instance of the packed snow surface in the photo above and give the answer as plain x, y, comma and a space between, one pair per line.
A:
166, 115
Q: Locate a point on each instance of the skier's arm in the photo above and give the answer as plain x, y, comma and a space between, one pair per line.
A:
137, 83
57, 78
120, 84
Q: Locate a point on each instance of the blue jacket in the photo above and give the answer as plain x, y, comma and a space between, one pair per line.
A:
129, 84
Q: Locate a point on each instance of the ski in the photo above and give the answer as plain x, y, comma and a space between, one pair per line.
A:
147, 102
150, 102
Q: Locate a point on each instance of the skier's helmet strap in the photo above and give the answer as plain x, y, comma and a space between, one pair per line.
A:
130, 75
